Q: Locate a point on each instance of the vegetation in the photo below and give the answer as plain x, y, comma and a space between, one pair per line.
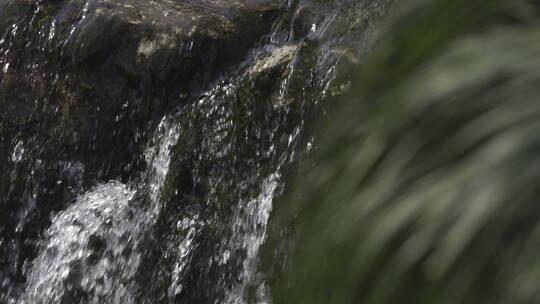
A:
426, 183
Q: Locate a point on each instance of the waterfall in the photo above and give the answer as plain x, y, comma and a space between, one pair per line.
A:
251, 219
152, 140
88, 252
91, 251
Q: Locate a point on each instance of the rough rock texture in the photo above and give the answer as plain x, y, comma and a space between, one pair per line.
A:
121, 62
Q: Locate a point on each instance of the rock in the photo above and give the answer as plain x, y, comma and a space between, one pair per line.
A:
276, 58
107, 67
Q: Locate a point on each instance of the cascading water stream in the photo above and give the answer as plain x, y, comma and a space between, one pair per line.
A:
159, 156
92, 251
88, 252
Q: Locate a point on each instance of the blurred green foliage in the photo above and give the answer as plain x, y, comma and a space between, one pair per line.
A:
426, 184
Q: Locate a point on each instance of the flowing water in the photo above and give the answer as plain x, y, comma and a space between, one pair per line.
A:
168, 205
91, 251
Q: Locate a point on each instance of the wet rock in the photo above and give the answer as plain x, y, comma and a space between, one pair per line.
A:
82, 83
278, 57
107, 67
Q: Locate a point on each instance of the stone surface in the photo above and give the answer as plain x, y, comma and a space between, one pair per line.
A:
120, 62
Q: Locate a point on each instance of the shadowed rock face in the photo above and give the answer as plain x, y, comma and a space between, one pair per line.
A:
85, 59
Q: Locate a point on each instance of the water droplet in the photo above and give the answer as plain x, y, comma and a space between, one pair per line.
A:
18, 152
